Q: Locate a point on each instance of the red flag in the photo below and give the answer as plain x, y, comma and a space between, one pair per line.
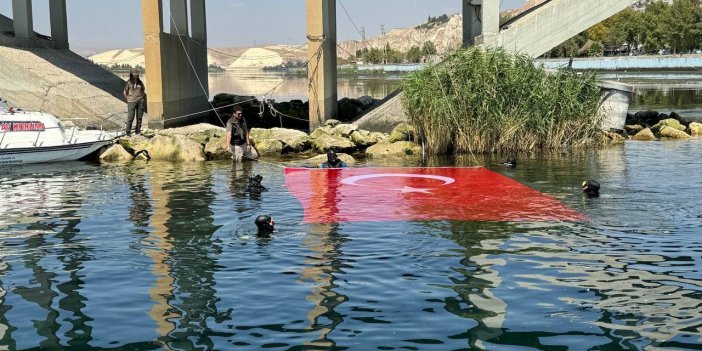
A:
419, 194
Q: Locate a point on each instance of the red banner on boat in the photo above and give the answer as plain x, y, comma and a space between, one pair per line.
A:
419, 194
22, 126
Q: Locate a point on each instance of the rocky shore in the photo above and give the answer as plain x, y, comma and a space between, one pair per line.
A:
203, 142
652, 125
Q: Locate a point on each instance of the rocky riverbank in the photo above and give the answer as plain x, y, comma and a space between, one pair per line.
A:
652, 125
203, 142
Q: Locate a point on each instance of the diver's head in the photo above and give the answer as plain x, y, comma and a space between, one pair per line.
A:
591, 188
255, 181
511, 161
332, 158
265, 224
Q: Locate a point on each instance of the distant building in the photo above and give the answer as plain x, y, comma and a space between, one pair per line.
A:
641, 4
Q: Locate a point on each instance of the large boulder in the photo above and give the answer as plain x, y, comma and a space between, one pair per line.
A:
216, 149
345, 130
116, 153
174, 148
332, 142
366, 101
293, 140
644, 135
331, 123
672, 133
321, 131
398, 149
348, 109
363, 138
646, 118
696, 129
672, 123
633, 129
269, 148
614, 138
319, 159
134, 143
403, 132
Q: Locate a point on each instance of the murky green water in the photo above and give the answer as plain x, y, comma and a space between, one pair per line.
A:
149, 256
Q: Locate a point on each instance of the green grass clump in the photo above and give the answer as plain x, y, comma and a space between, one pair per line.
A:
485, 101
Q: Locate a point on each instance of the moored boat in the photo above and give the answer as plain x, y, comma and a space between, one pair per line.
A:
34, 137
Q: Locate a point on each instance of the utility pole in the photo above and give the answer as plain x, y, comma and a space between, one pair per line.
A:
385, 47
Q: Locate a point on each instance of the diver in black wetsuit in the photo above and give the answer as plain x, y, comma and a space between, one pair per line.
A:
255, 184
265, 225
591, 188
511, 162
333, 161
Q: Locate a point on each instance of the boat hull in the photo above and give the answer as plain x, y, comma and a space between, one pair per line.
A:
69, 152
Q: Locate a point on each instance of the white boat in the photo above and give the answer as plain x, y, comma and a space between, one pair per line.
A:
34, 137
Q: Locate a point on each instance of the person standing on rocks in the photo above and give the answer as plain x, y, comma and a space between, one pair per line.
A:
135, 93
238, 137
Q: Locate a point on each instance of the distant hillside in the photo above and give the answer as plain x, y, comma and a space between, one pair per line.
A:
445, 36
445, 32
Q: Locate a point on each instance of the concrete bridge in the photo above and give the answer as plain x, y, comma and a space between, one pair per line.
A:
177, 61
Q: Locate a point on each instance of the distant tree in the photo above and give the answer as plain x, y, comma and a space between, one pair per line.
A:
655, 34
374, 56
428, 48
414, 55
684, 24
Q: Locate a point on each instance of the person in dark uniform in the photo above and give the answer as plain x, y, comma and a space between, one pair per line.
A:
333, 161
591, 188
265, 225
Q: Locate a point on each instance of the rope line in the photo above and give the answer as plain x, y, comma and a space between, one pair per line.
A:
202, 86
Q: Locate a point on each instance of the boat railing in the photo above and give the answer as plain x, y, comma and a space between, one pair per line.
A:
102, 136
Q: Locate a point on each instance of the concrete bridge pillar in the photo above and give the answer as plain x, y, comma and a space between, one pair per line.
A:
22, 17
481, 22
59, 23
179, 17
321, 39
176, 65
199, 20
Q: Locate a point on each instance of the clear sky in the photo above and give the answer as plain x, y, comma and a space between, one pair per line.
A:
111, 24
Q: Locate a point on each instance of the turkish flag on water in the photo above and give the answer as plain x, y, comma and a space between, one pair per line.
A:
419, 194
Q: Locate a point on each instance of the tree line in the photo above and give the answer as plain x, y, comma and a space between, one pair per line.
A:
390, 55
661, 27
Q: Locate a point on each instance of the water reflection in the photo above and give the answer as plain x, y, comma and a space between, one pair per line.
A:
184, 257
324, 265
154, 255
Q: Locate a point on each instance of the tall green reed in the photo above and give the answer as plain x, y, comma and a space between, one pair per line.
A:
484, 101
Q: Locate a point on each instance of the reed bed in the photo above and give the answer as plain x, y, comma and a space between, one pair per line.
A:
485, 101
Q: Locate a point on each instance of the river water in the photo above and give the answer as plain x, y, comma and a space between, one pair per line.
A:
148, 256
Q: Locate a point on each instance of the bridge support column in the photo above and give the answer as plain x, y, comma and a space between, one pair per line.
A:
199, 21
481, 22
321, 39
22, 17
59, 23
173, 88
179, 17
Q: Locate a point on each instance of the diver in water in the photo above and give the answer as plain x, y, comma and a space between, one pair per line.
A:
265, 225
511, 162
333, 161
255, 184
591, 188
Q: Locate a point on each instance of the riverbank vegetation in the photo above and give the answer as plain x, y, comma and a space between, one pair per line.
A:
661, 28
484, 101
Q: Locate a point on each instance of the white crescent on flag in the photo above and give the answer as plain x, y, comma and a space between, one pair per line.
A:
407, 189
